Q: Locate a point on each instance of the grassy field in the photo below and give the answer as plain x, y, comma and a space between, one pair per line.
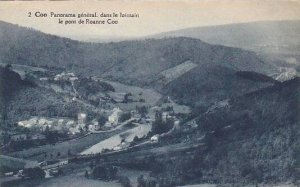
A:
75, 146
23, 69
74, 177
6, 161
8, 164
150, 96
22, 183
110, 143
77, 180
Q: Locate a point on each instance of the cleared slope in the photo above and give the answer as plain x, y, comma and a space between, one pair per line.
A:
204, 85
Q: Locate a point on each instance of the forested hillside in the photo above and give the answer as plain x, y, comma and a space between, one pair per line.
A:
253, 139
140, 62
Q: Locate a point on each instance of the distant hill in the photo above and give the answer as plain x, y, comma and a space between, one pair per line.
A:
264, 36
141, 63
276, 42
118, 60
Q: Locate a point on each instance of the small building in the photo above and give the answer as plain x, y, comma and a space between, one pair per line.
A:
8, 174
165, 116
73, 130
135, 114
125, 145
114, 117
73, 78
58, 77
65, 76
60, 122
42, 121
63, 162
94, 126
154, 139
38, 137
44, 79
70, 123
19, 137
81, 118
117, 148
149, 120
27, 123
70, 75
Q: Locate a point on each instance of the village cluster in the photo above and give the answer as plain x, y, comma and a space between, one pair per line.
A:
39, 130
68, 125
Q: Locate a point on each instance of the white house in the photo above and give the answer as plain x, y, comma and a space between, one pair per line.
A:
94, 126
81, 118
44, 79
28, 123
38, 137
73, 78
114, 117
165, 116
65, 76
154, 139
19, 137
41, 123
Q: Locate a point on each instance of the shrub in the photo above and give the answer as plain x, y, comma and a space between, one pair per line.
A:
105, 172
34, 173
125, 116
125, 182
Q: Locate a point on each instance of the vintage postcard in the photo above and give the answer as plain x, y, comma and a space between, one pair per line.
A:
154, 93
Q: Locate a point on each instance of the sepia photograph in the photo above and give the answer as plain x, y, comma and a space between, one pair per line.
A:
153, 93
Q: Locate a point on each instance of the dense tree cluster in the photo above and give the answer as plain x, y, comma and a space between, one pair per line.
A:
105, 172
34, 173
161, 126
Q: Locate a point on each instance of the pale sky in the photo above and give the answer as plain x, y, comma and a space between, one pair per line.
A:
154, 16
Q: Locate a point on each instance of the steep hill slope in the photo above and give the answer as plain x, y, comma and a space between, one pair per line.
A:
255, 138
251, 140
10, 83
204, 85
22, 99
